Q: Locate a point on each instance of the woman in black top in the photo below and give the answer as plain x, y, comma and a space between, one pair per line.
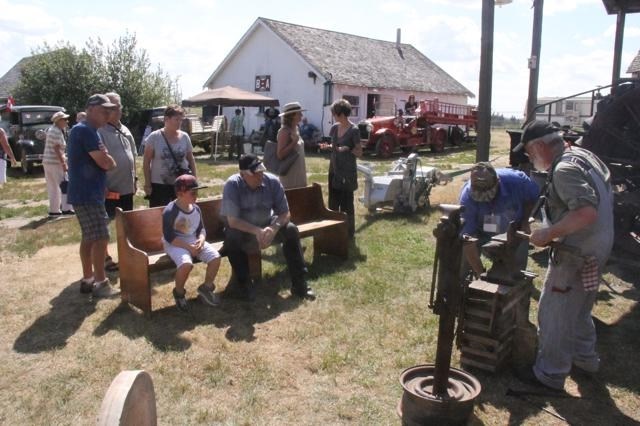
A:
345, 148
411, 105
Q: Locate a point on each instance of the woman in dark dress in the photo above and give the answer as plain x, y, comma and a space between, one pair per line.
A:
345, 148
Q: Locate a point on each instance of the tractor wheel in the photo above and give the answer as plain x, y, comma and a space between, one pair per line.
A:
26, 166
384, 146
457, 136
439, 139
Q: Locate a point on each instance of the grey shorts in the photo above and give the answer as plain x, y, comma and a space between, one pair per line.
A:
94, 222
181, 256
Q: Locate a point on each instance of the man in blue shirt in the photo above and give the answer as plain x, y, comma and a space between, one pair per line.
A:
257, 213
89, 161
492, 199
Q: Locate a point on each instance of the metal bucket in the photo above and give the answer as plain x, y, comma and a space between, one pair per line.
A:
419, 406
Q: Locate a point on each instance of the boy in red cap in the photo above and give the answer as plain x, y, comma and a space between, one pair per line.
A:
184, 239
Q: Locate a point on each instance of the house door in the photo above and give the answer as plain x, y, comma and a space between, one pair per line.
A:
372, 102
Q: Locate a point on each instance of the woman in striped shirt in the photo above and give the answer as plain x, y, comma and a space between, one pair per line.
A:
54, 163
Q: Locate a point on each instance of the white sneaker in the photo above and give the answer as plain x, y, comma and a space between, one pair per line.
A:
102, 288
208, 296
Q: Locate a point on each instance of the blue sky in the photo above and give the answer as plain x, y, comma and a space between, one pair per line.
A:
189, 38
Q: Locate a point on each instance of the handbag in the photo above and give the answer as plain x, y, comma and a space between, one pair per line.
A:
275, 165
177, 170
64, 184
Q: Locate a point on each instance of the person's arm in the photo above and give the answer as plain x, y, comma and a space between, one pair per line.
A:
243, 225
146, 167
4, 142
572, 222
285, 143
60, 154
192, 163
103, 159
357, 146
189, 155
472, 256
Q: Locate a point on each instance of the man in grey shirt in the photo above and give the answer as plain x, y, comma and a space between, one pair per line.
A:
121, 181
578, 218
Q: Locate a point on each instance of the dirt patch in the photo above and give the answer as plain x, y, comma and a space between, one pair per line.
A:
15, 222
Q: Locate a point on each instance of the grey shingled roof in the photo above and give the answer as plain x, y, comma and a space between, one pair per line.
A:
11, 78
361, 61
635, 64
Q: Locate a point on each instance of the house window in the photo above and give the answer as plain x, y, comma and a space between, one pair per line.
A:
355, 104
570, 106
558, 108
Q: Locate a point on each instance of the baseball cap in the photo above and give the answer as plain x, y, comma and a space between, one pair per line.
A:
535, 130
100, 99
185, 183
484, 182
251, 163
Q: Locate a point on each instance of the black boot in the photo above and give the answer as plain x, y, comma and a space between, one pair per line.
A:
302, 290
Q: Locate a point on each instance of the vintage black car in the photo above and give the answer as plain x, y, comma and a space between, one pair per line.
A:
26, 127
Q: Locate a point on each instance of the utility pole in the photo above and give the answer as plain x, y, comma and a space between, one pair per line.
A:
534, 60
486, 76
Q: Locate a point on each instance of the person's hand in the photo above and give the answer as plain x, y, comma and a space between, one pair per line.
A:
14, 163
199, 244
147, 188
540, 237
266, 237
65, 168
193, 249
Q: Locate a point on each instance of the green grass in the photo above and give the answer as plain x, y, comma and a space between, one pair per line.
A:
277, 362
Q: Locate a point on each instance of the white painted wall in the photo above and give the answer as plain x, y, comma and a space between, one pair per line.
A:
264, 53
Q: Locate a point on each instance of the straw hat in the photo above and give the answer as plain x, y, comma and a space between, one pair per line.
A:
291, 108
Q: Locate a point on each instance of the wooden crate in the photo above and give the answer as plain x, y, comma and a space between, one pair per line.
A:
490, 319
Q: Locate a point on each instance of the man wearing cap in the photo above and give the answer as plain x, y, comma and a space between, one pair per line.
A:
54, 163
121, 181
89, 161
578, 218
257, 213
492, 199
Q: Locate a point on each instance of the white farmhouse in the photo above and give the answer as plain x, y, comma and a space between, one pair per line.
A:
315, 67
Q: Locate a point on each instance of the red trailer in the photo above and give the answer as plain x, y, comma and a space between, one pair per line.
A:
434, 124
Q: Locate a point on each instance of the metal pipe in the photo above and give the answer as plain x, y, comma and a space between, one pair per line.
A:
486, 76
617, 49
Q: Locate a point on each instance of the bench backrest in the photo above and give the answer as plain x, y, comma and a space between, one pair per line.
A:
305, 204
143, 227
213, 223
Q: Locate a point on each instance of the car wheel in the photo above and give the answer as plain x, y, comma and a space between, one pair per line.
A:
384, 146
437, 144
26, 166
457, 136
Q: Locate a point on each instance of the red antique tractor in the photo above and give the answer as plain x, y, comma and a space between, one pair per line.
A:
435, 124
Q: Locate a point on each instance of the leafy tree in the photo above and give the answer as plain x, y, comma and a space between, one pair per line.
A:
66, 75
61, 75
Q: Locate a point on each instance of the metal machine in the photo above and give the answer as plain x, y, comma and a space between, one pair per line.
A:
406, 187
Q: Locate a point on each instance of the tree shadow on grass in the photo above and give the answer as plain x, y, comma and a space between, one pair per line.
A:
51, 331
165, 329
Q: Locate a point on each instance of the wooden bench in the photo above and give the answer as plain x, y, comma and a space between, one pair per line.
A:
140, 250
